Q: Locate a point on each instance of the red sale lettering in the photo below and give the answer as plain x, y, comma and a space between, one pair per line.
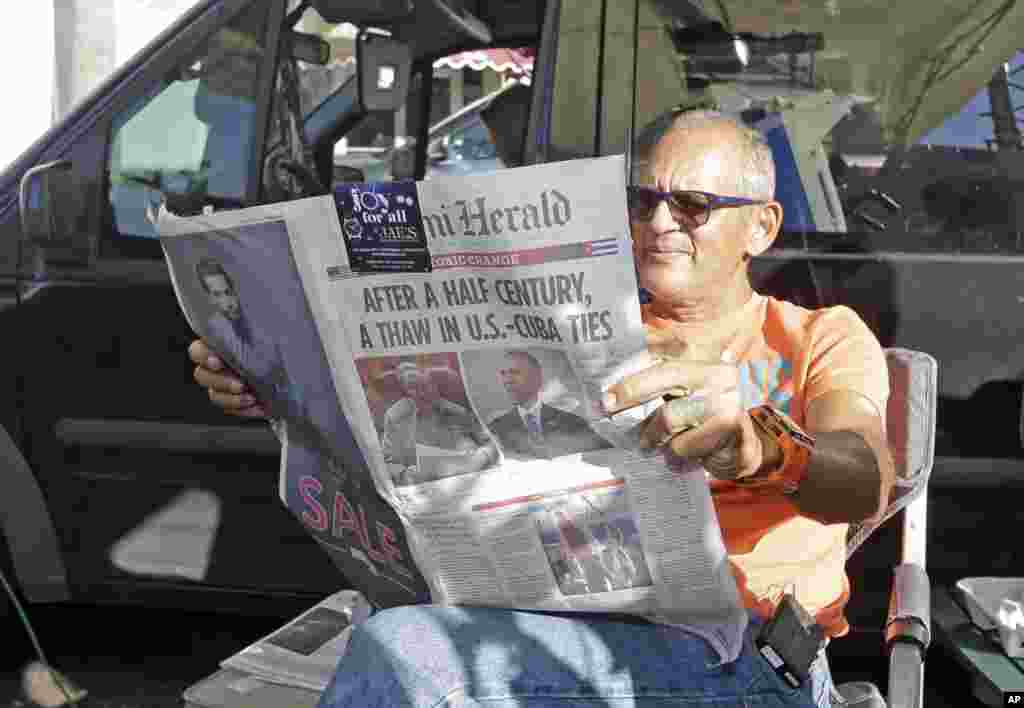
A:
345, 517
310, 489
387, 542
375, 555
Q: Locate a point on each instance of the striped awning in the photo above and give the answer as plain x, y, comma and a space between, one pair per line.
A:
516, 61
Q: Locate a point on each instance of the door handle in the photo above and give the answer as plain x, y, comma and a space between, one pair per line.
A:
167, 437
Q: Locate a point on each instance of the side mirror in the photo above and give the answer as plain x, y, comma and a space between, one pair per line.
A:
49, 207
383, 66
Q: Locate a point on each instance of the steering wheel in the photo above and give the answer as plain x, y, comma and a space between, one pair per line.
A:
465, 21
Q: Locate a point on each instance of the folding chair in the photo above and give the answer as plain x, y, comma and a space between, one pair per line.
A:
910, 421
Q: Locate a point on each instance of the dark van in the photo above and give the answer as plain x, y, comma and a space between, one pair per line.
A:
901, 172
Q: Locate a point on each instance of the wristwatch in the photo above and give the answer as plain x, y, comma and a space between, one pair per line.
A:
796, 446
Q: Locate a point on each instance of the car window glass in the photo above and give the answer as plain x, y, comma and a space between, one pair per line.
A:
190, 138
883, 129
464, 87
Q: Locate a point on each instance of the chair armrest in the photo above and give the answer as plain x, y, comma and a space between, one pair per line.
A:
909, 607
906, 676
908, 634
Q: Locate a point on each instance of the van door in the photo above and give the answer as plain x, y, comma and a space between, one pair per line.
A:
152, 490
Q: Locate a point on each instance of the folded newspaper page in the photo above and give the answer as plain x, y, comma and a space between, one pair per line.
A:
228, 688
306, 651
237, 280
435, 354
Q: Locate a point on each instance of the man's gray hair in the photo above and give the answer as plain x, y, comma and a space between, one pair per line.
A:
209, 267
755, 176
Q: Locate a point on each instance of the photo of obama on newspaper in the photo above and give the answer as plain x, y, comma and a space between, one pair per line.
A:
427, 428
532, 402
591, 541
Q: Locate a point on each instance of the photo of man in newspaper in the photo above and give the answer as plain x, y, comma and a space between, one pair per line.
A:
592, 542
526, 402
427, 429
240, 342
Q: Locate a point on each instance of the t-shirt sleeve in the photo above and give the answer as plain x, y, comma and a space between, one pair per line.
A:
845, 355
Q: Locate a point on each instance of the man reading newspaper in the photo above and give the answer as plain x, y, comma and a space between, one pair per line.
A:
703, 207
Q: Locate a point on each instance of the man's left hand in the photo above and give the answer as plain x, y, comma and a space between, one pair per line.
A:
704, 418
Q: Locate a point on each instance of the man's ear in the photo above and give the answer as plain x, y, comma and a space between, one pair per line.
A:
765, 228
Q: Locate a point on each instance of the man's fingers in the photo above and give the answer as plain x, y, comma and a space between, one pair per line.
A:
720, 445
202, 355
676, 416
676, 378
231, 401
223, 383
255, 411
197, 351
226, 390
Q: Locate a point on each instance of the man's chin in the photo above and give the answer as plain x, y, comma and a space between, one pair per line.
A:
666, 289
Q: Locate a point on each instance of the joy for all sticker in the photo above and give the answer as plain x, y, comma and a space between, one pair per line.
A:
383, 227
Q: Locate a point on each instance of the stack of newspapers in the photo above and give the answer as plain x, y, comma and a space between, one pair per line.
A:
290, 667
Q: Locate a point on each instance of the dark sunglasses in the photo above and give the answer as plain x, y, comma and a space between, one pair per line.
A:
689, 207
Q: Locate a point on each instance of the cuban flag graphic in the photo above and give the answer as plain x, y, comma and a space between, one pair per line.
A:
603, 247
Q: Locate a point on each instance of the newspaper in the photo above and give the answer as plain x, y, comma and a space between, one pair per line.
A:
228, 688
306, 651
443, 436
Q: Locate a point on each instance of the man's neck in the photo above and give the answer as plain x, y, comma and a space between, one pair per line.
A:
706, 322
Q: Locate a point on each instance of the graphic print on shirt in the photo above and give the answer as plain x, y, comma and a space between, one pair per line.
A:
767, 381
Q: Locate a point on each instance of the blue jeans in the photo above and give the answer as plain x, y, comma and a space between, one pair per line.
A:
447, 657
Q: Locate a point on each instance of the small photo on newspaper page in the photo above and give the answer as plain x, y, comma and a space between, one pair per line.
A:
532, 402
427, 427
591, 539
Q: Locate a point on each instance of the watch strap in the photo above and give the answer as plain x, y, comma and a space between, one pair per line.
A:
795, 444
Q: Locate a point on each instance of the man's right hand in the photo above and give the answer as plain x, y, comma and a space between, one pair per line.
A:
225, 388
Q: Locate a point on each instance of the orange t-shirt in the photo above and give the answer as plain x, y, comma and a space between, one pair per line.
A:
788, 356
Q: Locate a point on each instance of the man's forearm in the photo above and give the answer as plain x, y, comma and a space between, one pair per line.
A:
845, 481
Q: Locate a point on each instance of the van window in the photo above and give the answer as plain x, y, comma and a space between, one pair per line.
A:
469, 89
885, 137
381, 146
190, 138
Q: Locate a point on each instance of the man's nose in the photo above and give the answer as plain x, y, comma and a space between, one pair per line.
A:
661, 220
